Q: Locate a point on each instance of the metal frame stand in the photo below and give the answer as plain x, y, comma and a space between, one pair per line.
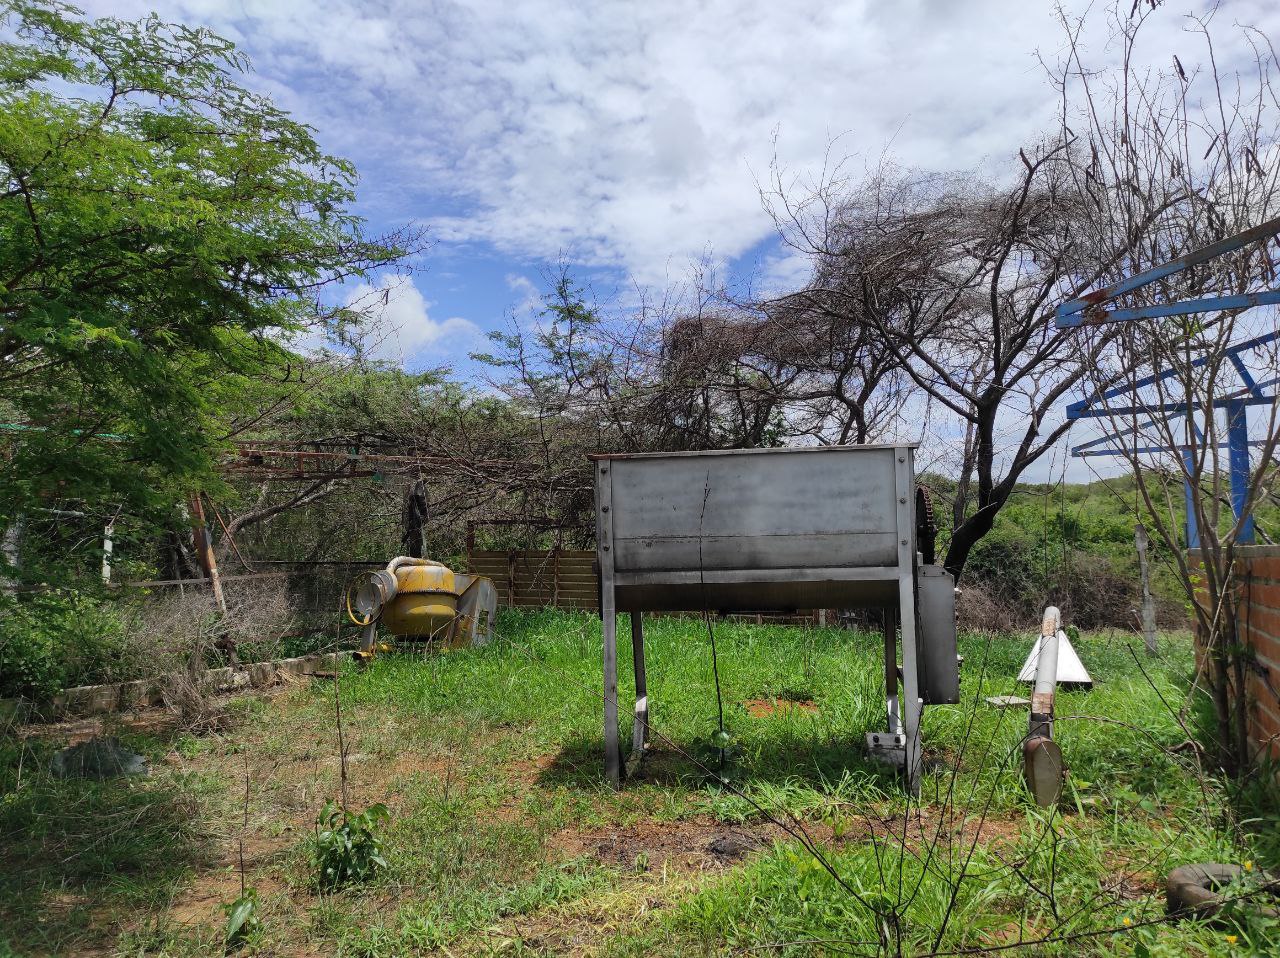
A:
640, 723
900, 745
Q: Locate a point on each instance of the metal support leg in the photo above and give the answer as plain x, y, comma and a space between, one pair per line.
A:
609, 625
891, 675
904, 482
640, 730
1193, 527
612, 755
911, 705
890, 746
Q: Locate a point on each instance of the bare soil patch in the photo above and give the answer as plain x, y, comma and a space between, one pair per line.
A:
693, 845
766, 708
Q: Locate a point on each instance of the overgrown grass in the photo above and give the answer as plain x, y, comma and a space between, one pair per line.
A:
489, 759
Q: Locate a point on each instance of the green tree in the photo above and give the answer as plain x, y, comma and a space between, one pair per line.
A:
161, 229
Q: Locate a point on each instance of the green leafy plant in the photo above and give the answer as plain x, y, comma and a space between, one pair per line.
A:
242, 919
348, 849
53, 639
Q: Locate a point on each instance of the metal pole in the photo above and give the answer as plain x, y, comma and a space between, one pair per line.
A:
1238, 457
1041, 757
910, 703
1046, 676
1193, 527
640, 731
609, 625
891, 673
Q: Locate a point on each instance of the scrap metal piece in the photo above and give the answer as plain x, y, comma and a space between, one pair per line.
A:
1007, 701
1044, 770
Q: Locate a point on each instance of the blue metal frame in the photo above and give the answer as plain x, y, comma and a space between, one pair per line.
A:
1088, 310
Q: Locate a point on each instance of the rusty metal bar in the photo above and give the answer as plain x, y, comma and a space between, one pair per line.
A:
204, 551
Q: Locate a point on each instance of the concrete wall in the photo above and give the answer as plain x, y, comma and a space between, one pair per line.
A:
86, 700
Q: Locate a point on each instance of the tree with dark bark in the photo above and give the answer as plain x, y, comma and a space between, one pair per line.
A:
955, 278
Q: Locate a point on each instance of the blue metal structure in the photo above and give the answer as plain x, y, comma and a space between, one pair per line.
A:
1088, 310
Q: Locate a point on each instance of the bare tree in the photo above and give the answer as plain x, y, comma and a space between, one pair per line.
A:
956, 278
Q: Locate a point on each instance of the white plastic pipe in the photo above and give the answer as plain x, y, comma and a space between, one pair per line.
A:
1041, 723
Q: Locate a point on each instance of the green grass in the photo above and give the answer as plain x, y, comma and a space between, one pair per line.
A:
504, 838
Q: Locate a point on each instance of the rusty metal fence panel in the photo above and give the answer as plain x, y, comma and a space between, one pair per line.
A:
536, 578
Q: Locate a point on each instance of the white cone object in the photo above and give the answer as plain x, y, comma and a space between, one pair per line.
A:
1070, 669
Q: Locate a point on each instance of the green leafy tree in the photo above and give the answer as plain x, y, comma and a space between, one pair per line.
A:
162, 228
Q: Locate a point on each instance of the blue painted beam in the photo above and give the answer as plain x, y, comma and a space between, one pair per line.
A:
1088, 452
1193, 525
1245, 376
1232, 353
1176, 408
1138, 280
1212, 304
1238, 458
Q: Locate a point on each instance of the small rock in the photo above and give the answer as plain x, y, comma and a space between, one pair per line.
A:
100, 757
731, 845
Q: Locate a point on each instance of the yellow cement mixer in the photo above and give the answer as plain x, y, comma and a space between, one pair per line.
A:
422, 600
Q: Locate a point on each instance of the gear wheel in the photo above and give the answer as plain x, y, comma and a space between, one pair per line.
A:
926, 526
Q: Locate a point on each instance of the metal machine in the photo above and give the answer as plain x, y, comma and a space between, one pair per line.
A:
778, 530
424, 600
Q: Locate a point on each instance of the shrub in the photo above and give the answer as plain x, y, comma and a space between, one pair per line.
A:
347, 847
242, 919
51, 640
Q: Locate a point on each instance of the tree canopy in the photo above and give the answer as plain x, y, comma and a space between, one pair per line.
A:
161, 227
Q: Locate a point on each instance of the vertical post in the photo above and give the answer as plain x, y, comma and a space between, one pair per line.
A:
10, 548
204, 551
1141, 541
911, 705
555, 575
1041, 756
640, 730
891, 670
108, 547
1238, 457
609, 624
1193, 527
1046, 680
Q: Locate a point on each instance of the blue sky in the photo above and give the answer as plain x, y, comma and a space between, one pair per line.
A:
628, 139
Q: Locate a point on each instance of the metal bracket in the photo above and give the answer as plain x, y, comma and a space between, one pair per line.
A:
888, 747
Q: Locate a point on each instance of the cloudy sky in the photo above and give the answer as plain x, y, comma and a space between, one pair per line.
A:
628, 138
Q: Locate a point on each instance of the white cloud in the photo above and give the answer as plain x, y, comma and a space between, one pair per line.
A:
624, 134
400, 328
